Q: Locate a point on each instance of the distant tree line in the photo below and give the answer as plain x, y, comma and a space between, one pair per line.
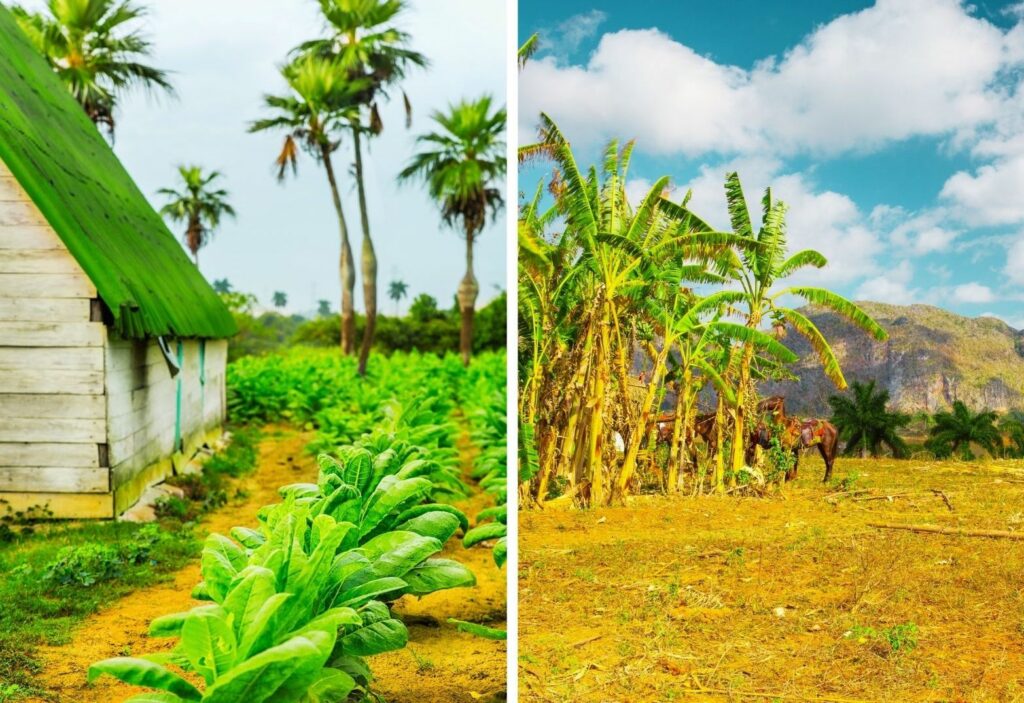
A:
426, 327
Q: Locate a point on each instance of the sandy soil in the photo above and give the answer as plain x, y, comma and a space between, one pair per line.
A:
759, 599
440, 664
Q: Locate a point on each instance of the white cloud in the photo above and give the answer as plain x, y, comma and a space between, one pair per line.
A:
973, 293
1014, 269
570, 34
827, 221
893, 286
922, 233
898, 69
991, 195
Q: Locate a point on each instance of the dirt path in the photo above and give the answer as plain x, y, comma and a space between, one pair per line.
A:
441, 664
121, 630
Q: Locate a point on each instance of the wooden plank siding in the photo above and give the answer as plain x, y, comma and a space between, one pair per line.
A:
52, 367
142, 403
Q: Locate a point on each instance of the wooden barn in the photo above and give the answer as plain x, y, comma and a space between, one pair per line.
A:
112, 345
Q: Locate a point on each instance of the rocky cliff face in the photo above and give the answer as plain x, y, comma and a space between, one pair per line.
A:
932, 358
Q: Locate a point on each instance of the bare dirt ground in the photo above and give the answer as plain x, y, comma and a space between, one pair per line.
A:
439, 664
789, 598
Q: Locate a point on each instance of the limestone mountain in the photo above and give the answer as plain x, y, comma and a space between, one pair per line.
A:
932, 358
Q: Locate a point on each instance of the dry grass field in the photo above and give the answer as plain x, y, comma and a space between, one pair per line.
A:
794, 597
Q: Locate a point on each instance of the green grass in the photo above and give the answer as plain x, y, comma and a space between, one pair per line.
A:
89, 565
56, 574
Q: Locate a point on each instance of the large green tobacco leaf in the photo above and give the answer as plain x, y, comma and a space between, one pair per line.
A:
437, 524
331, 686
208, 642
436, 575
392, 494
486, 531
141, 672
376, 638
258, 679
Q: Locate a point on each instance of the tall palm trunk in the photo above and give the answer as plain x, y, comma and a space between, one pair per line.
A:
347, 271
368, 260
192, 236
468, 290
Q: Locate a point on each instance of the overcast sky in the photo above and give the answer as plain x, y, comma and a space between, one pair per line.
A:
224, 55
894, 129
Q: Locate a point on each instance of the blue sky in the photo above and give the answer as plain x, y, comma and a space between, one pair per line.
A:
224, 57
893, 129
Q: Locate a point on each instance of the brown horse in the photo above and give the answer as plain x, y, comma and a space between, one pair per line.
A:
798, 435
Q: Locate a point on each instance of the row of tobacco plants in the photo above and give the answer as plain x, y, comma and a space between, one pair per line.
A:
603, 281
298, 603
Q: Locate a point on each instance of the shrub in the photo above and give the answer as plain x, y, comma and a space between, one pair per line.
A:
87, 564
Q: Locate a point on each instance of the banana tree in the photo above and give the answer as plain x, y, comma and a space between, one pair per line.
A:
758, 270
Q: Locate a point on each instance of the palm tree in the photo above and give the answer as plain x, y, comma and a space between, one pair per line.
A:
757, 269
959, 428
222, 286
197, 205
321, 101
1013, 425
396, 291
463, 165
865, 423
323, 308
280, 299
87, 44
363, 39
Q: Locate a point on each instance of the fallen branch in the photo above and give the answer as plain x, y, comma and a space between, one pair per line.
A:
840, 494
587, 640
774, 696
955, 531
885, 497
945, 498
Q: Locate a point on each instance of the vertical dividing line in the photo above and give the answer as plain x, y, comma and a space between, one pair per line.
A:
512, 332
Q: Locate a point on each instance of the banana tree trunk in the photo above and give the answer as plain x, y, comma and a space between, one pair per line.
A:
639, 432
719, 445
368, 260
595, 437
675, 458
346, 268
686, 440
739, 437
468, 290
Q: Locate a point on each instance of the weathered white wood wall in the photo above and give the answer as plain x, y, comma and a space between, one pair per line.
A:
83, 413
52, 404
142, 401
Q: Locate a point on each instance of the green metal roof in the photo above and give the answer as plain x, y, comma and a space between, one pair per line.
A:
60, 158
